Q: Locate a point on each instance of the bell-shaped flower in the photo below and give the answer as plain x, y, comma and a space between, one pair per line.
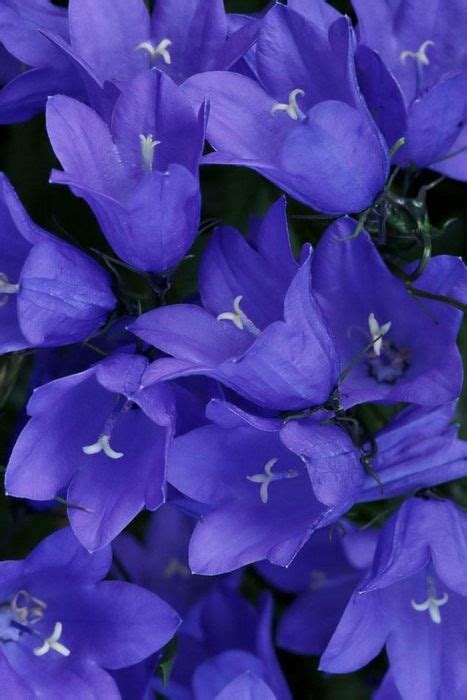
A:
40, 69
113, 41
160, 563
101, 440
140, 177
317, 11
414, 356
418, 449
259, 492
303, 123
229, 655
260, 332
413, 71
63, 628
414, 602
323, 575
50, 292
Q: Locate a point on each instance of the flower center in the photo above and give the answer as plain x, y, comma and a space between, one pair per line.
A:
102, 443
266, 478
238, 318
317, 579
148, 144
432, 604
161, 49
6, 289
18, 618
176, 568
386, 362
291, 108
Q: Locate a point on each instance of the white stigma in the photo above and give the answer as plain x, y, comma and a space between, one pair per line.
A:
102, 444
53, 643
432, 603
148, 144
6, 289
268, 477
377, 332
238, 318
160, 50
292, 108
418, 56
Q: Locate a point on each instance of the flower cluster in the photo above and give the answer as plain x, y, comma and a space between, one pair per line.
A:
295, 410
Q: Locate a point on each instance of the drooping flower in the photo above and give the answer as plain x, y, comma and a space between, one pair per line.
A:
99, 438
140, 177
62, 628
260, 331
50, 292
414, 602
303, 123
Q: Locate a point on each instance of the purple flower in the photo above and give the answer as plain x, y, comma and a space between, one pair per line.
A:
161, 563
323, 574
418, 449
259, 496
50, 292
140, 177
414, 602
113, 41
260, 332
161, 566
40, 69
316, 11
414, 357
303, 124
62, 627
103, 439
230, 655
422, 83
200, 37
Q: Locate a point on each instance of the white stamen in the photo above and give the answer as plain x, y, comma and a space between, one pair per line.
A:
159, 50
148, 144
292, 108
53, 643
268, 476
238, 318
377, 332
26, 608
102, 444
6, 288
418, 56
432, 603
